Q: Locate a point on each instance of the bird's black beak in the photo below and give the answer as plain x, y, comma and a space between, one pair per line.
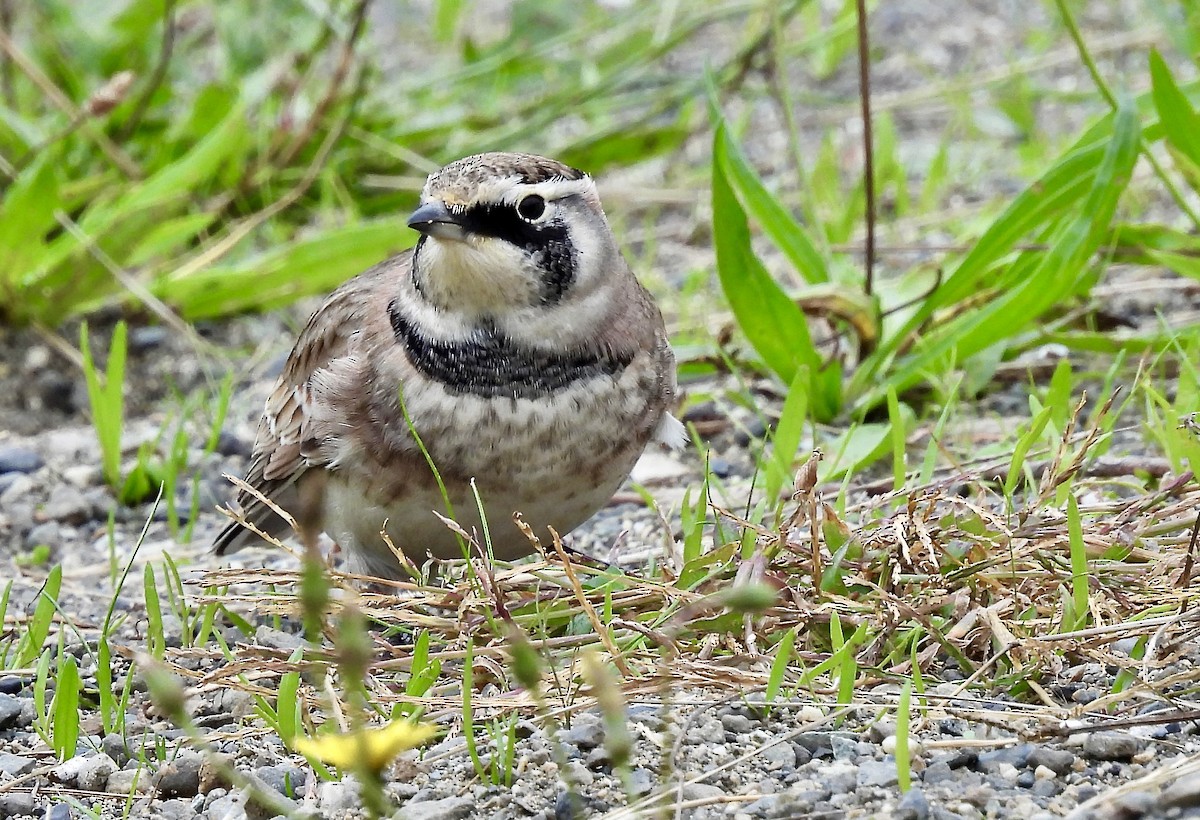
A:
435, 219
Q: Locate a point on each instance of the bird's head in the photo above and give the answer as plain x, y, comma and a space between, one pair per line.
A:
504, 233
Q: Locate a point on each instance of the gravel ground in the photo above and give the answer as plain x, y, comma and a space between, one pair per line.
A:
727, 756
730, 756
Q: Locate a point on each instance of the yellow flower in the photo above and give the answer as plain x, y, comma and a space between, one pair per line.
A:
369, 748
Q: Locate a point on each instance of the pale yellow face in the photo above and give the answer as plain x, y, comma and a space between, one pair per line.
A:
506, 244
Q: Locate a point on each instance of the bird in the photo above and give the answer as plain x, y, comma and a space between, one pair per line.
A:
509, 361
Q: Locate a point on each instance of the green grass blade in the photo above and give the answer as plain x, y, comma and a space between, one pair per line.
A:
1052, 276
64, 721
1079, 566
903, 765
106, 399
773, 323
785, 440
784, 232
43, 615
1180, 123
155, 642
1016, 465
783, 654
287, 700
26, 215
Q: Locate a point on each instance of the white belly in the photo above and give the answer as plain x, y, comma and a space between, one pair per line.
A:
554, 460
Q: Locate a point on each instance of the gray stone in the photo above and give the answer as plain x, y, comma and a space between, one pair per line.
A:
1059, 761
1131, 805
576, 773
115, 747
913, 806
16, 488
938, 772
448, 808
89, 773
737, 724
16, 765
10, 711
124, 781
839, 778
798, 801
641, 781
1046, 788
707, 731
148, 337
83, 475
287, 780
880, 730
1110, 746
845, 747
762, 807
1126, 646
702, 791
585, 733
1018, 756
779, 756
13, 804
174, 809
179, 777
14, 459
878, 773
277, 639
337, 798
48, 533
67, 504
59, 811
815, 742
1183, 793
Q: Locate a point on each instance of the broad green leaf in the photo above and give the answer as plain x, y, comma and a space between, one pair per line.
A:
446, 16
26, 216
168, 237
785, 441
43, 615
1052, 276
784, 231
182, 177
860, 446
277, 277
773, 323
64, 728
1183, 264
1181, 125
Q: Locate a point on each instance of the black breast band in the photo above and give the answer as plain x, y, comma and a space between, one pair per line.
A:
490, 364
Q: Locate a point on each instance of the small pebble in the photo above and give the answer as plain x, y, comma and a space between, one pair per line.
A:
90, 772
878, 773
913, 806
16, 765
1060, 761
10, 711
180, 777
1110, 746
19, 460
67, 504
448, 808
1183, 793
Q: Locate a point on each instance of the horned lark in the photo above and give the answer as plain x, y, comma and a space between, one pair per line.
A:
513, 340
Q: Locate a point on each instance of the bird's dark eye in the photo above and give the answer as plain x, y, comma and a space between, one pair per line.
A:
531, 207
